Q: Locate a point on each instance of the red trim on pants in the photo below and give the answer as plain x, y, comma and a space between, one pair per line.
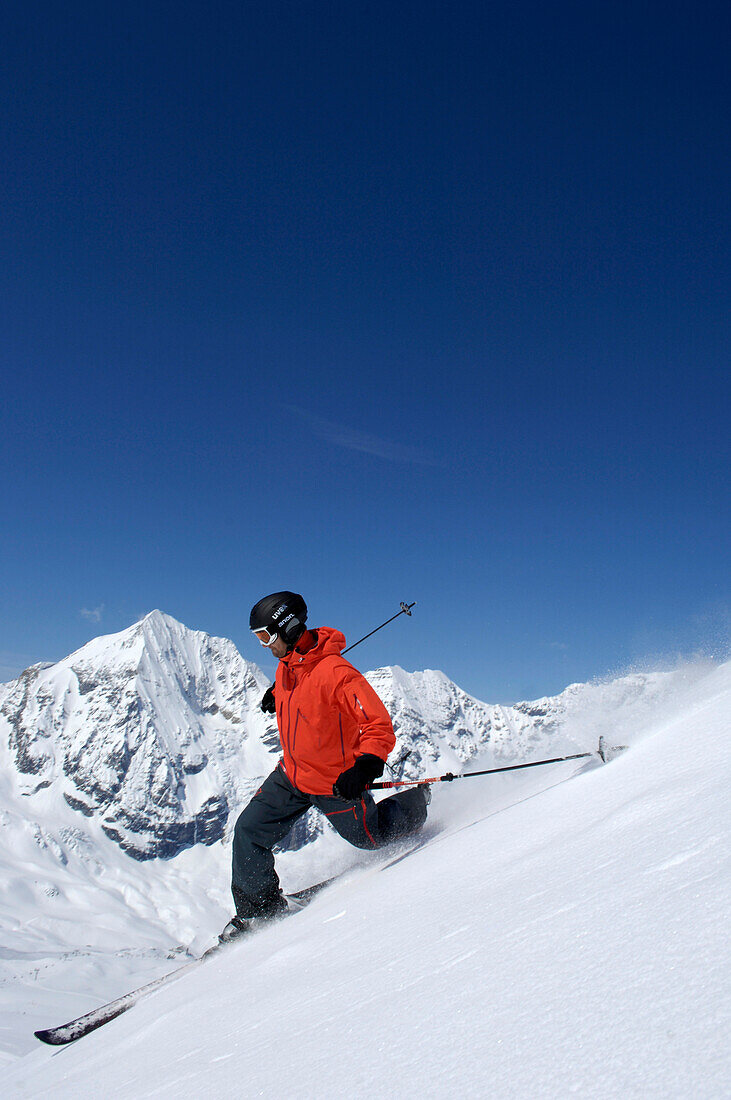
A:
362, 802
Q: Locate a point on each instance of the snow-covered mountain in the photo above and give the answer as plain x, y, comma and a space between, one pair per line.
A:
154, 735
155, 732
440, 726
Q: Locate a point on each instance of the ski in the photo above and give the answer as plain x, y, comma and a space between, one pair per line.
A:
90, 1021
83, 1025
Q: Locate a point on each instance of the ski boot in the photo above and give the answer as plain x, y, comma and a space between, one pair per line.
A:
236, 927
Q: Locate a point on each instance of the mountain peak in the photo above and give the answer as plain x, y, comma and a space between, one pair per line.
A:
160, 618
140, 729
157, 627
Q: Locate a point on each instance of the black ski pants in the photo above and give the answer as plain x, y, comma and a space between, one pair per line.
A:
273, 811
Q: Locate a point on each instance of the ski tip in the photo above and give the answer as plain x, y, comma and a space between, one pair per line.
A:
51, 1037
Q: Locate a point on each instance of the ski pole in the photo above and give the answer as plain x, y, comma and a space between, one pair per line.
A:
267, 702
449, 776
405, 610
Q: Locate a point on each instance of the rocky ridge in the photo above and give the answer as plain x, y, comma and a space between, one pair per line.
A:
154, 731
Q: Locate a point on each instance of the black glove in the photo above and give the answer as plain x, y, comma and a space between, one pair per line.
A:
350, 784
267, 703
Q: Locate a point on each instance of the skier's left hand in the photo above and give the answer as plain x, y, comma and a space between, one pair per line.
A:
351, 783
267, 704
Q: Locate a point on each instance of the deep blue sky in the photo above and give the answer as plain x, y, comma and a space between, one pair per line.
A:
376, 301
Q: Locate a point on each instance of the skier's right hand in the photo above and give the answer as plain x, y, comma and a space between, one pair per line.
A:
267, 703
351, 783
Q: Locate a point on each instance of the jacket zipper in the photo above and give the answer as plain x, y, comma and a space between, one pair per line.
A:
292, 748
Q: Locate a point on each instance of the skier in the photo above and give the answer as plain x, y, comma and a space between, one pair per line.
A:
335, 735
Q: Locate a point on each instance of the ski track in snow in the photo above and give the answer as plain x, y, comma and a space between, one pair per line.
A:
543, 938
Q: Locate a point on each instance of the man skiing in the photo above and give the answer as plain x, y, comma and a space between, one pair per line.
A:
336, 735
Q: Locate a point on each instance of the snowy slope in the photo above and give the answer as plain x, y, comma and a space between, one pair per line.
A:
552, 939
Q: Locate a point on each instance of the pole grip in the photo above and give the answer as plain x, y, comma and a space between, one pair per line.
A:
405, 610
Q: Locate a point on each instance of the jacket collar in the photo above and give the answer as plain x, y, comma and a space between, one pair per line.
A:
330, 643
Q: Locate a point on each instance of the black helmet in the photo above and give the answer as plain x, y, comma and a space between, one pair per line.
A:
282, 613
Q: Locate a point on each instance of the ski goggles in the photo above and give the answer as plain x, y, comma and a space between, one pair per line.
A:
264, 637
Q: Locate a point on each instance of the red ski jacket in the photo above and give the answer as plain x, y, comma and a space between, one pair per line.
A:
327, 714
